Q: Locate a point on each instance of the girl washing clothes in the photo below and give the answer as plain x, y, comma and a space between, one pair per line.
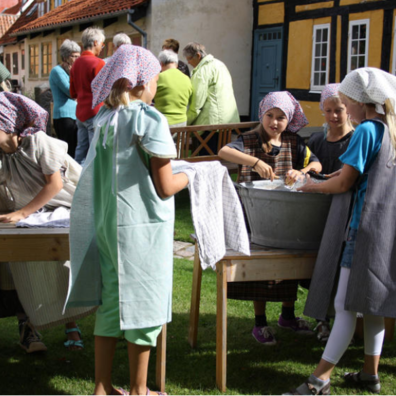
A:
122, 219
328, 146
272, 150
363, 265
35, 174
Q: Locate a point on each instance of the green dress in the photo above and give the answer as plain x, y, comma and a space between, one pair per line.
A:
135, 220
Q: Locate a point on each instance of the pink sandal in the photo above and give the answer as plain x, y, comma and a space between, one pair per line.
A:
120, 391
158, 393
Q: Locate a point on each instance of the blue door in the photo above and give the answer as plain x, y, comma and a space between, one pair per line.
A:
267, 65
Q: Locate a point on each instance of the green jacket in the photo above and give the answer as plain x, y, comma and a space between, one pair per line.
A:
213, 100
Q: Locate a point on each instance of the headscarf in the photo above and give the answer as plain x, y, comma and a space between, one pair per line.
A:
370, 85
134, 63
286, 102
329, 91
21, 115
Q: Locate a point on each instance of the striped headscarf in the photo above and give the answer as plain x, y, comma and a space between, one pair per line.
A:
21, 115
134, 63
286, 102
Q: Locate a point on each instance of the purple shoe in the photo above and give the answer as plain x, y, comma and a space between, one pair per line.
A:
264, 335
298, 325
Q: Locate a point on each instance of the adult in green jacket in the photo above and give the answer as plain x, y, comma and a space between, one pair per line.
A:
213, 100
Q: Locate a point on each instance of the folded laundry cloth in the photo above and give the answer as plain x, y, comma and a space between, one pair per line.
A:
216, 211
59, 218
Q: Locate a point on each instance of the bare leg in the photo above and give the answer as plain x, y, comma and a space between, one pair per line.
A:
289, 304
371, 364
259, 307
323, 370
139, 356
104, 354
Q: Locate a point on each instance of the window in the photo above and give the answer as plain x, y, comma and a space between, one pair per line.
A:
44, 7
358, 44
23, 59
15, 63
46, 59
320, 57
33, 60
8, 62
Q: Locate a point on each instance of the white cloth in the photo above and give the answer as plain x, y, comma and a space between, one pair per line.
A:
59, 218
216, 211
370, 85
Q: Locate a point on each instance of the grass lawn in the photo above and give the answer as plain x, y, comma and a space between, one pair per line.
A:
252, 368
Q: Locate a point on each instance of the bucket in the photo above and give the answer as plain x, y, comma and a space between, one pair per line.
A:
284, 219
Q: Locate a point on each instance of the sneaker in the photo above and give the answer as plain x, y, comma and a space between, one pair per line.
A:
323, 329
372, 385
298, 325
29, 338
264, 335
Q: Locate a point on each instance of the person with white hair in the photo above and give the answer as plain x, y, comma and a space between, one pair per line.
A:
82, 73
363, 238
120, 39
174, 90
64, 113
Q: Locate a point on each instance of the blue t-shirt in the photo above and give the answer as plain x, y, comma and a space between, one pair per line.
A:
362, 151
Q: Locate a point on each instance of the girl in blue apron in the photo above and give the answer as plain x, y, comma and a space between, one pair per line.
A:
122, 219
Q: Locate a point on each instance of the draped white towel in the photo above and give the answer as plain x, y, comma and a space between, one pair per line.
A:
59, 218
216, 211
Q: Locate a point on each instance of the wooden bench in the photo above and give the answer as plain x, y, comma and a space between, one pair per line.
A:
262, 264
52, 244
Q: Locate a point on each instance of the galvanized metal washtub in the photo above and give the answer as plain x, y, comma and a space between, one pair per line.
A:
282, 218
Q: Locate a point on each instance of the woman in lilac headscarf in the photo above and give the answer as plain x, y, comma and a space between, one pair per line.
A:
122, 220
270, 151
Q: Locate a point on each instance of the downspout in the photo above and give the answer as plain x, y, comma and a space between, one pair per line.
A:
136, 27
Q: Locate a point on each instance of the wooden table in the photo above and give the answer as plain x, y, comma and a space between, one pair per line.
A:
52, 244
263, 264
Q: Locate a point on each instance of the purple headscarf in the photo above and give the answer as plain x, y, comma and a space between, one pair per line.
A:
21, 115
286, 102
329, 91
134, 63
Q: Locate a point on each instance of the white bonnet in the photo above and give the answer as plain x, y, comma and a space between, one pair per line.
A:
370, 85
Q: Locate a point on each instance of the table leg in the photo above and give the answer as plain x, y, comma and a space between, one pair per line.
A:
161, 360
221, 328
195, 299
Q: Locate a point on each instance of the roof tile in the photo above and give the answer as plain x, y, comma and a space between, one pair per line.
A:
5, 22
75, 10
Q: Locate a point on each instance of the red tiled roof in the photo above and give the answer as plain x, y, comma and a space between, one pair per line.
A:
28, 16
5, 22
76, 10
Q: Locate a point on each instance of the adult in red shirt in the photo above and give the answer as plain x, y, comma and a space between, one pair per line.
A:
84, 70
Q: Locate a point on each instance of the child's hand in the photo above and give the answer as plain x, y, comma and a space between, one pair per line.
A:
292, 176
308, 186
12, 217
265, 171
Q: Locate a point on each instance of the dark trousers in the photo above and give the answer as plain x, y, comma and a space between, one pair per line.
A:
66, 130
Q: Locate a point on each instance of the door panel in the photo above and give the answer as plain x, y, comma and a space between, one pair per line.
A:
267, 65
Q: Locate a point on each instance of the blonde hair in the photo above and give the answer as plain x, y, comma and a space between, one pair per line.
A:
121, 94
337, 98
390, 119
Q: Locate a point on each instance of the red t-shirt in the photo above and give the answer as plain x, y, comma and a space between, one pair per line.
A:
83, 71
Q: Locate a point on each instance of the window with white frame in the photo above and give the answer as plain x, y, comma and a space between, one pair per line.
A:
46, 59
44, 7
320, 57
394, 49
358, 44
33, 60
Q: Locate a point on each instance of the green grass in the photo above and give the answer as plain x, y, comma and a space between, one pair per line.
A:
252, 368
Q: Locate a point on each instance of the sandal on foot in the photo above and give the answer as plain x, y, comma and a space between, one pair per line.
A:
74, 343
309, 389
372, 385
158, 393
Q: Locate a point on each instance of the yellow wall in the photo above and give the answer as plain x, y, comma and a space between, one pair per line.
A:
271, 13
338, 50
375, 40
393, 41
313, 113
324, 4
299, 57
